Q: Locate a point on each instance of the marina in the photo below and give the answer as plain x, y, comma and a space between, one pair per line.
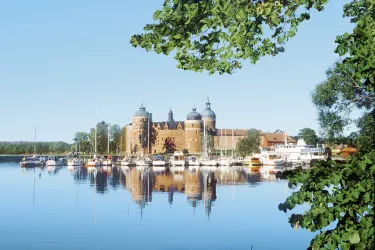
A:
89, 208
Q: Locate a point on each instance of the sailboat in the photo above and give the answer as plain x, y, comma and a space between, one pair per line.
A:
94, 162
206, 160
31, 161
107, 163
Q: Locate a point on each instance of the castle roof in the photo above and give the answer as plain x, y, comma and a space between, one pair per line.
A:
194, 115
142, 112
208, 112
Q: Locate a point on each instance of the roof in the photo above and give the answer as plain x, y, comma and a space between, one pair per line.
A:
194, 115
171, 125
142, 112
350, 150
228, 132
277, 137
208, 112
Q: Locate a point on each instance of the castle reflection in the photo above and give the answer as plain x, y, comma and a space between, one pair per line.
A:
198, 185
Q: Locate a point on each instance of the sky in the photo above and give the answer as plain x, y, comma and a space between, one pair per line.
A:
59, 60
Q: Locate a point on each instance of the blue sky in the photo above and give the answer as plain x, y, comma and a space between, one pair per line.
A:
61, 59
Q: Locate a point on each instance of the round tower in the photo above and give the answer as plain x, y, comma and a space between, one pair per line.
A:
139, 129
209, 116
193, 126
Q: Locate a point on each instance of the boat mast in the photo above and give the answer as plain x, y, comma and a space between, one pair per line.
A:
232, 143
148, 135
108, 143
96, 129
34, 141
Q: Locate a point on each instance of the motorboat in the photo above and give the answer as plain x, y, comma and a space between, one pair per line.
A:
225, 161
128, 161
252, 161
193, 161
33, 161
52, 161
143, 162
94, 162
269, 157
74, 162
208, 162
107, 162
301, 153
178, 159
158, 161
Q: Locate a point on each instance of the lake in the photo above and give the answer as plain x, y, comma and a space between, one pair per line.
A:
65, 208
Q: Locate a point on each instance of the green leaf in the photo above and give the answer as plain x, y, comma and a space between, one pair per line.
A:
178, 36
354, 237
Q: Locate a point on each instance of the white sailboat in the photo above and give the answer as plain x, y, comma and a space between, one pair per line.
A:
107, 161
52, 162
31, 161
128, 161
94, 162
206, 160
75, 161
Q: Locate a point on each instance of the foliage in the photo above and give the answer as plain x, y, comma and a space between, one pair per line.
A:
84, 144
23, 147
309, 136
249, 144
169, 145
340, 194
135, 148
216, 35
143, 137
102, 137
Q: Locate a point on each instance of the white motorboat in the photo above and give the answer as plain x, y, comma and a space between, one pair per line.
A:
301, 152
270, 157
143, 162
128, 161
226, 161
107, 162
158, 161
178, 159
52, 161
74, 162
209, 162
94, 162
193, 161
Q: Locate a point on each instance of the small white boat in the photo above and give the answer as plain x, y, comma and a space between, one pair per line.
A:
107, 162
94, 162
128, 161
52, 161
158, 161
158, 169
193, 161
225, 161
74, 162
178, 159
143, 162
208, 162
270, 158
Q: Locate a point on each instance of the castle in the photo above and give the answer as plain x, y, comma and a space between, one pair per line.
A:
145, 135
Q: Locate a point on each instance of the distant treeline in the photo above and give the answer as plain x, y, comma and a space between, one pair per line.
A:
24, 147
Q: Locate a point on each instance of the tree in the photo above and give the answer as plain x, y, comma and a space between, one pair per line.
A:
249, 144
215, 35
169, 145
339, 193
84, 143
143, 137
135, 148
102, 137
309, 136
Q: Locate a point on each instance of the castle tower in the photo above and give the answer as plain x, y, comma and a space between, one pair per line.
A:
209, 116
139, 130
193, 127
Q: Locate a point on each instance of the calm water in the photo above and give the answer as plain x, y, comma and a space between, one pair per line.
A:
136, 209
